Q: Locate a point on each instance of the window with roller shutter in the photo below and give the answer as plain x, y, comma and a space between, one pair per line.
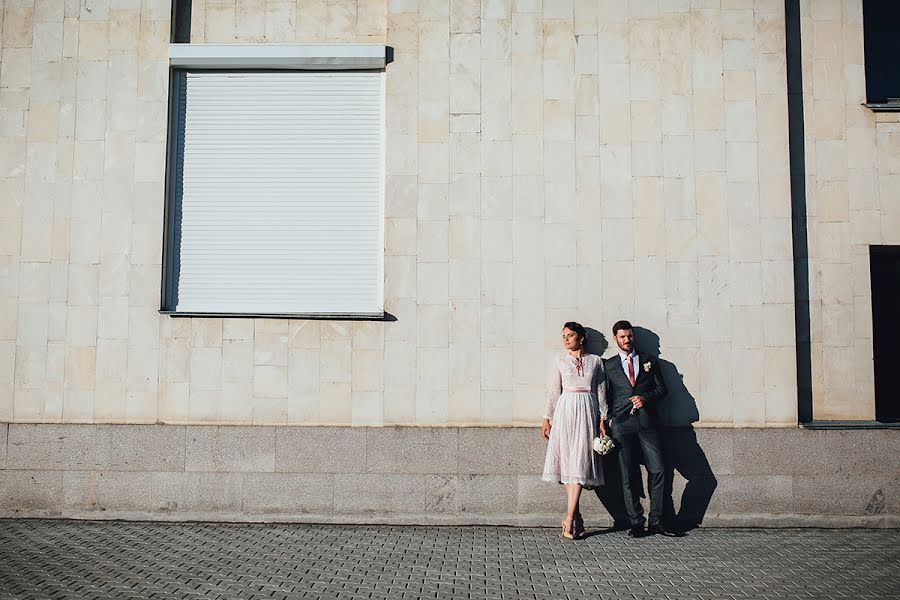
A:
276, 186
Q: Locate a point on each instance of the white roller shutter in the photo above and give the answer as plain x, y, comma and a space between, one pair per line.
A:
278, 193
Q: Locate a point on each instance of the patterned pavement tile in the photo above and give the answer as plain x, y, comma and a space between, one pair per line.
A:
83, 559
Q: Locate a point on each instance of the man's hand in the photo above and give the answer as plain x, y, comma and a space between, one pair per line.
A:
602, 427
545, 429
637, 402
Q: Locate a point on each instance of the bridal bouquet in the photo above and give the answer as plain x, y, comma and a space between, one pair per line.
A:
603, 445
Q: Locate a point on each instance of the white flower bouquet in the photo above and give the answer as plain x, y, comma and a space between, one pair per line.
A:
603, 445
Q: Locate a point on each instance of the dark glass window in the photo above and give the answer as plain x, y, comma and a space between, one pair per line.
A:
881, 29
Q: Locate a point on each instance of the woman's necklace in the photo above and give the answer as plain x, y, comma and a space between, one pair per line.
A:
579, 364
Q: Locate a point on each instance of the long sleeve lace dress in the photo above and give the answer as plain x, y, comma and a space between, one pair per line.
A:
576, 401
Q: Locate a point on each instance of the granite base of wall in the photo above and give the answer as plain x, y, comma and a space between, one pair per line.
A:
442, 476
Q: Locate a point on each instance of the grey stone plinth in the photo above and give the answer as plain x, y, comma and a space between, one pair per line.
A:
717, 446
129, 491
287, 493
197, 492
867, 495
141, 448
538, 496
79, 490
743, 493
230, 449
24, 491
411, 450
501, 451
4, 432
784, 477
122, 492
489, 494
368, 493
442, 494
780, 452
320, 450
61, 447
96, 447
471, 494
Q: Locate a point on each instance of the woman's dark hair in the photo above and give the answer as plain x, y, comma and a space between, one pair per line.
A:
620, 325
578, 329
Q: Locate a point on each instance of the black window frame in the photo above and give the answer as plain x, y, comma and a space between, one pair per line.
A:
881, 23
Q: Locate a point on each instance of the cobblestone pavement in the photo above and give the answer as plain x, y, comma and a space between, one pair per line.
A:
66, 559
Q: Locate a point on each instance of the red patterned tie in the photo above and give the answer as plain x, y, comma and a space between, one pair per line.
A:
630, 371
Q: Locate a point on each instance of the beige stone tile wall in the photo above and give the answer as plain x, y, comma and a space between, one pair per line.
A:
83, 92
853, 178
576, 159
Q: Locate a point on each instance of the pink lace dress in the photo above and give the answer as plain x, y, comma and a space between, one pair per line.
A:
575, 403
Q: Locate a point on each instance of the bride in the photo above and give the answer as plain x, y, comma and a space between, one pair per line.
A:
576, 409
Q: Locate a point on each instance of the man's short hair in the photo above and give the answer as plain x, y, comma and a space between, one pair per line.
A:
620, 325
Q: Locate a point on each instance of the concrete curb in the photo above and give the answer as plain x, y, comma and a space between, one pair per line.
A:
766, 521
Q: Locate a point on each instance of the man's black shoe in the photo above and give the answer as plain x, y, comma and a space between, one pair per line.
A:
660, 530
637, 531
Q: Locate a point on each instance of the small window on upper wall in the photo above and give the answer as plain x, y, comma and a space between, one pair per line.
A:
881, 24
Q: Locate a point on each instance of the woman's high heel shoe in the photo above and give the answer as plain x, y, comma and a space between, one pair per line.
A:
567, 531
578, 529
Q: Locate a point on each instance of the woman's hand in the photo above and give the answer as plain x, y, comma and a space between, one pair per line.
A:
545, 429
602, 428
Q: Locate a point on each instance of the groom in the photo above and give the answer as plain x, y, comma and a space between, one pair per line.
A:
634, 386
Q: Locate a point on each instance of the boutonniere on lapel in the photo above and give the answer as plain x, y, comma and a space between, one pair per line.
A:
647, 367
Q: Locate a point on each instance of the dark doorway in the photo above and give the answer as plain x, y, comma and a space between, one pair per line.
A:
885, 268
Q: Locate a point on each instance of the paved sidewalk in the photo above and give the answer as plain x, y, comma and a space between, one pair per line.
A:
66, 559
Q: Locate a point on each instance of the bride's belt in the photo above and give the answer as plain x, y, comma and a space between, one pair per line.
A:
582, 389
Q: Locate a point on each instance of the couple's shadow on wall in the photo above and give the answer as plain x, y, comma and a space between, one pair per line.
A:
681, 451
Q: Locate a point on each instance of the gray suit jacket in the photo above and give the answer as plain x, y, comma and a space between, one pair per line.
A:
648, 383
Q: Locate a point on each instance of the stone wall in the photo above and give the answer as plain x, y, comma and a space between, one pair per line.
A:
417, 475
290, 21
853, 178
83, 93
581, 159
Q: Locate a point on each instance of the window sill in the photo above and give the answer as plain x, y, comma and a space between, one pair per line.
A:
382, 316
883, 106
849, 425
